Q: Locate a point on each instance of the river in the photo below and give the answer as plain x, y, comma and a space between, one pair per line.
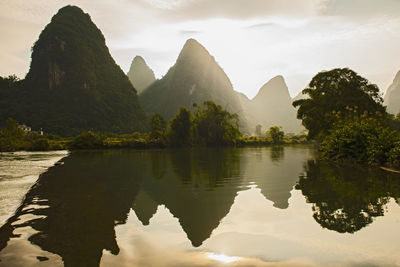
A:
269, 206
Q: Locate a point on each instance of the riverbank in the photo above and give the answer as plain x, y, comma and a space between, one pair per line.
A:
136, 140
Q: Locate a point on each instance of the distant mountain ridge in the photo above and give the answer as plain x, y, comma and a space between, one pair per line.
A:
73, 83
273, 106
140, 74
392, 96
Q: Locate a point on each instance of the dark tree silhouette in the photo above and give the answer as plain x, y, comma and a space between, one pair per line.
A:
331, 93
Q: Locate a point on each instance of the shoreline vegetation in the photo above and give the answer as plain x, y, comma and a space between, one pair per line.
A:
210, 125
343, 114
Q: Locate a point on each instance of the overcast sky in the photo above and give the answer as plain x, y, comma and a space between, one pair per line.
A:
252, 40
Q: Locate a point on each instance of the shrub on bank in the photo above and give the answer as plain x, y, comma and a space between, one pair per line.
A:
362, 141
87, 140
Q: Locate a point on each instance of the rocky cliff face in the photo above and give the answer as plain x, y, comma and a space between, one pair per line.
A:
392, 96
74, 84
140, 74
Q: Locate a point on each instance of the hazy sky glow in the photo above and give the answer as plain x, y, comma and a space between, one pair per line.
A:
252, 40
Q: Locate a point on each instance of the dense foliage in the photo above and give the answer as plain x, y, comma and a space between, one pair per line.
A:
345, 113
158, 126
13, 138
88, 140
73, 84
364, 140
331, 93
276, 134
180, 129
215, 126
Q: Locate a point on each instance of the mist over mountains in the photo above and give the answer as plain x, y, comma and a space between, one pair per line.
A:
392, 96
272, 106
196, 77
140, 74
74, 85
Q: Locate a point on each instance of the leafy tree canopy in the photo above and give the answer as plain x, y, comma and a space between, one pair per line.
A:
334, 95
214, 125
276, 134
158, 126
362, 140
181, 127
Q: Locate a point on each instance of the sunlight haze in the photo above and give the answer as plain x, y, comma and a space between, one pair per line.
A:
253, 41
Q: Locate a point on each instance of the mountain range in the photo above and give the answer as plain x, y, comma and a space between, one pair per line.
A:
392, 96
197, 77
74, 85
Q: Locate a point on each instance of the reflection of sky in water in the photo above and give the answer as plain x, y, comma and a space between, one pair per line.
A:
199, 208
18, 171
260, 235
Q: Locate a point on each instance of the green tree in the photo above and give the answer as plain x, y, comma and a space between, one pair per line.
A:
11, 136
181, 127
276, 134
215, 126
88, 140
158, 126
361, 141
334, 95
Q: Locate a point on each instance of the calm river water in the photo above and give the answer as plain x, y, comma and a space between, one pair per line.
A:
272, 206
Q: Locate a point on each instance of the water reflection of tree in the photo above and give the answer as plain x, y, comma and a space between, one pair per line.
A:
346, 199
158, 163
76, 206
277, 153
208, 167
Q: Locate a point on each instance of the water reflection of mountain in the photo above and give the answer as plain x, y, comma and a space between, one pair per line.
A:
73, 208
198, 187
346, 199
276, 172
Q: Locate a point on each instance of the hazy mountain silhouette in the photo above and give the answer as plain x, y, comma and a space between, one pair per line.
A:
392, 96
73, 83
196, 77
272, 106
140, 74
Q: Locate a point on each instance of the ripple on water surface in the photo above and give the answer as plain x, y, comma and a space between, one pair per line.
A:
18, 171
